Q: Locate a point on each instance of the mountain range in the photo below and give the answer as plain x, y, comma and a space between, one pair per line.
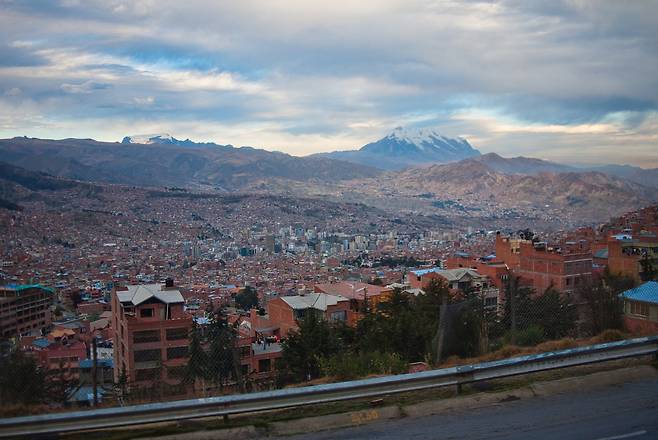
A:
220, 167
479, 185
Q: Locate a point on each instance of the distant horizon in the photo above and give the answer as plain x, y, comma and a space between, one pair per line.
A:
483, 152
565, 81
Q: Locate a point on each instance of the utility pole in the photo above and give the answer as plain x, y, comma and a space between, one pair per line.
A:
442, 327
94, 378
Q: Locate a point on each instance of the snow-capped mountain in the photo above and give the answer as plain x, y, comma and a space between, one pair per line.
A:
405, 147
163, 138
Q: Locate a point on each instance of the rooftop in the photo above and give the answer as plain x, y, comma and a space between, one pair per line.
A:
318, 301
647, 292
143, 292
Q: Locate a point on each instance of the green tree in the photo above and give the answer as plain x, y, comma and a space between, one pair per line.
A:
61, 383
604, 306
222, 339
553, 312
648, 271
247, 298
304, 348
197, 364
21, 379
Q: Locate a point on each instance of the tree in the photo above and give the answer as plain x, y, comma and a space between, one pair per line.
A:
61, 383
222, 340
247, 298
553, 312
305, 347
605, 307
22, 381
648, 271
197, 364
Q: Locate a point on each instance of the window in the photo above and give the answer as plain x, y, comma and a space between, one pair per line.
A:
264, 365
340, 315
175, 334
147, 374
490, 301
177, 352
638, 308
146, 313
146, 336
147, 355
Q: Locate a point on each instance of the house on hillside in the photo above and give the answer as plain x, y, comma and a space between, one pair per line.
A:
641, 308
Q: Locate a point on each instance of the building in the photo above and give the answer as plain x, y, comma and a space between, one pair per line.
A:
629, 254
285, 311
563, 267
359, 294
24, 309
641, 308
151, 334
456, 279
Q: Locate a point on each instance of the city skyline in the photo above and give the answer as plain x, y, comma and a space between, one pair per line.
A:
569, 81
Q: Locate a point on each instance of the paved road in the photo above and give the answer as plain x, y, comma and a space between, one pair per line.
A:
628, 411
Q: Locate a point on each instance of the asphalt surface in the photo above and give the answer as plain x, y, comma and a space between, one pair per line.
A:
625, 411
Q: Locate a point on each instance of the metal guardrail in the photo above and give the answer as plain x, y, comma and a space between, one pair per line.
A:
293, 397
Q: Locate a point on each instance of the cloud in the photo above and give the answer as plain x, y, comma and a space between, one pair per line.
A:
85, 87
552, 79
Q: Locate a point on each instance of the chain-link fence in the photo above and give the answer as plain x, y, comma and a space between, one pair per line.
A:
223, 353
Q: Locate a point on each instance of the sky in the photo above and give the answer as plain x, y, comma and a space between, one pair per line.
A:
571, 81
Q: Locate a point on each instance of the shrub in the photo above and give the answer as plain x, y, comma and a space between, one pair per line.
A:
609, 335
531, 336
352, 366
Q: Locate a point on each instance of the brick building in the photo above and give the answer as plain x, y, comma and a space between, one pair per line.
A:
564, 267
359, 295
24, 309
627, 252
151, 334
641, 308
285, 311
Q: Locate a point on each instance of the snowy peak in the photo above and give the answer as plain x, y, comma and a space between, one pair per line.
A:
422, 145
164, 139
150, 139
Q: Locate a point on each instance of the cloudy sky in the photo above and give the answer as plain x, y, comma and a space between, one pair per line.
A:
564, 80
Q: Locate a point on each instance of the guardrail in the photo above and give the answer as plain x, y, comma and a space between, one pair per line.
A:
287, 398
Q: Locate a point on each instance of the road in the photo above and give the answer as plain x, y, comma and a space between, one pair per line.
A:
625, 411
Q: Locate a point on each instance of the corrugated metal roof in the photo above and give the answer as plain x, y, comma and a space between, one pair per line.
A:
20, 287
143, 292
318, 301
647, 292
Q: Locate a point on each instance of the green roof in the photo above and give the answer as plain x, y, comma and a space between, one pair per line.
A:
21, 287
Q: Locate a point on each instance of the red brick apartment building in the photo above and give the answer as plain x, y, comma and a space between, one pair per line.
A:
285, 311
24, 309
151, 334
565, 267
627, 251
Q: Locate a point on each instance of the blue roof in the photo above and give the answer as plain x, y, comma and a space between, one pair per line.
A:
421, 272
41, 342
601, 253
86, 393
647, 292
103, 363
